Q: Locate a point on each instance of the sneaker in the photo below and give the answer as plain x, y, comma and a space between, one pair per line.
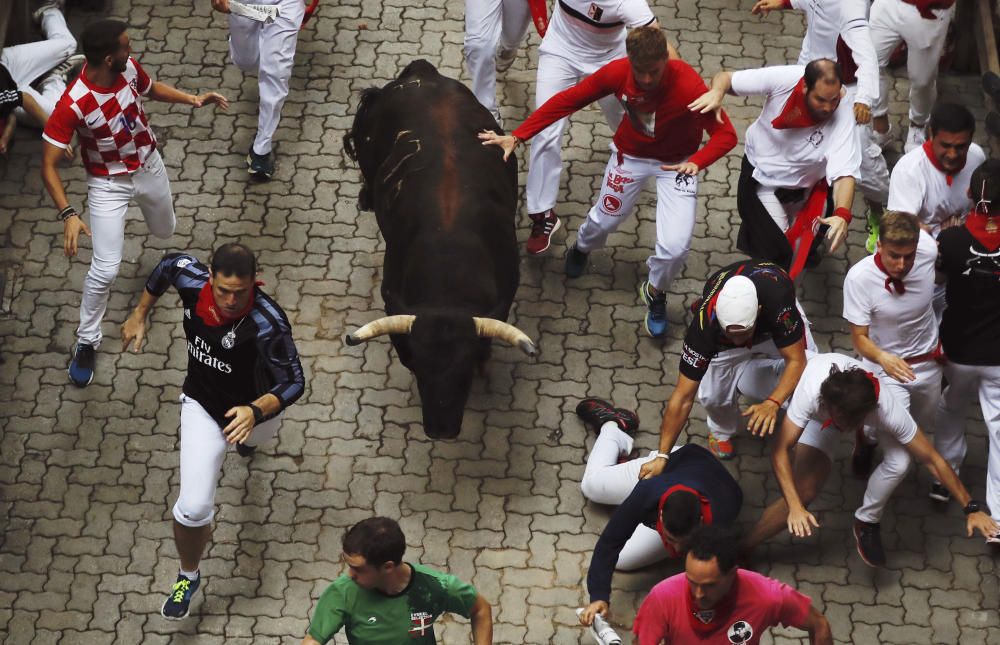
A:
576, 262
862, 458
47, 5
505, 58
993, 124
70, 68
81, 368
869, 542
882, 139
871, 227
178, 602
721, 449
543, 225
597, 412
656, 311
244, 450
260, 165
915, 137
939, 493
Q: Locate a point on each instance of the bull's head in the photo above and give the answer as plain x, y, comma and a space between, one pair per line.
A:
443, 354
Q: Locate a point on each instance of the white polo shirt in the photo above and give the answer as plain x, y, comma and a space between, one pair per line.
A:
795, 157
826, 20
917, 186
593, 31
890, 417
903, 324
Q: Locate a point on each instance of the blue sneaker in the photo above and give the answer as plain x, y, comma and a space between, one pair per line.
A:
260, 165
576, 262
178, 602
656, 314
81, 368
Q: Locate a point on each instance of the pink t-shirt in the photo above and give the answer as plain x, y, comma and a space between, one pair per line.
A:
761, 602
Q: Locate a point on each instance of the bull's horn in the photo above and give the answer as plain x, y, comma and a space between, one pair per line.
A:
492, 328
381, 327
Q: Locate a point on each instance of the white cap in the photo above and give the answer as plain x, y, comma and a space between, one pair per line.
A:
737, 303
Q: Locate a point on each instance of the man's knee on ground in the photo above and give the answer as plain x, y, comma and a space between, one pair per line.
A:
194, 515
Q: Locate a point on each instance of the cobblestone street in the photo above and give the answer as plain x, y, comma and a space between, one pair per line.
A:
88, 476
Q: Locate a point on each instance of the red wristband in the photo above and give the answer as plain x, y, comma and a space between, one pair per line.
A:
841, 211
774, 401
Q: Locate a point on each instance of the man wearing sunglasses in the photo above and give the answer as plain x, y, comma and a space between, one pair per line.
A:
748, 337
837, 395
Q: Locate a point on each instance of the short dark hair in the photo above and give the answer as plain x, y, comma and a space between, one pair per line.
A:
681, 513
646, 45
952, 117
378, 540
822, 69
851, 392
100, 39
985, 187
721, 543
234, 259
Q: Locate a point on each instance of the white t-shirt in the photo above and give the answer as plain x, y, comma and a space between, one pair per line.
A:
826, 20
593, 31
891, 417
796, 157
917, 186
902, 324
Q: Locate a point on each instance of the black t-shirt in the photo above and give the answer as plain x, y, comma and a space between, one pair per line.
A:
259, 355
970, 327
10, 96
779, 319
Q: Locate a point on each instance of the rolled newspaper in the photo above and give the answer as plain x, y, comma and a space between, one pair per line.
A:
265, 13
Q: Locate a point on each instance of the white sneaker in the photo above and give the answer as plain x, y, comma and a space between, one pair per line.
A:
882, 139
46, 6
915, 137
505, 58
69, 67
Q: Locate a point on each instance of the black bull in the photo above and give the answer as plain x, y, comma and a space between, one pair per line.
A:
446, 206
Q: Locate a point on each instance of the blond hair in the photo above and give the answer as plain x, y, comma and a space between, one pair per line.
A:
896, 227
646, 45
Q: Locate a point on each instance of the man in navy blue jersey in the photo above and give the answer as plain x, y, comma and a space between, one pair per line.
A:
243, 371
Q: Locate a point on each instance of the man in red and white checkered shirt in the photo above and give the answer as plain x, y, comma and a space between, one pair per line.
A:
104, 108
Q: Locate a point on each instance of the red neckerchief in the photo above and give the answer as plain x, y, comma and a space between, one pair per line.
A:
705, 621
878, 389
889, 280
209, 312
979, 226
924, 7
948, 177
803, 230
795, 113
706, 514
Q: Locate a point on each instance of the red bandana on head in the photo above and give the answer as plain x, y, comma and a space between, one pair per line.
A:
795, 113
895, 283
209, 312
948, 177
706, 514
875, 385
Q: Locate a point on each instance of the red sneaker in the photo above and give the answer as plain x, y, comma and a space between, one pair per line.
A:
543, 225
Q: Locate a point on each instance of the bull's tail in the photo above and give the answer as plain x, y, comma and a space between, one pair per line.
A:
368, 97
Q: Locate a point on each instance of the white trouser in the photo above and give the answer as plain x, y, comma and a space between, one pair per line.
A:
555, 74
203, 449
605, 481
894, 21
29, 61
964, 381
487, 23
883, 480
782, 214
874, 182
268, 49
108, 199
741, 371
676, 205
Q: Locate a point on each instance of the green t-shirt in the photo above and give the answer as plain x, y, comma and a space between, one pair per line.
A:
371, 617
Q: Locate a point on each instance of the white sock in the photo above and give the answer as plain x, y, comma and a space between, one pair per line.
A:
190, 575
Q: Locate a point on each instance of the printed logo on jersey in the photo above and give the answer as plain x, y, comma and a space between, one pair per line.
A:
183, 262
694, 359
815, 138
611, 204
617, 181
705, 615
982, 265
187, 314
740, 632
788, 320
595, 12
201, 351
421, 621
684, 183
372, 620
